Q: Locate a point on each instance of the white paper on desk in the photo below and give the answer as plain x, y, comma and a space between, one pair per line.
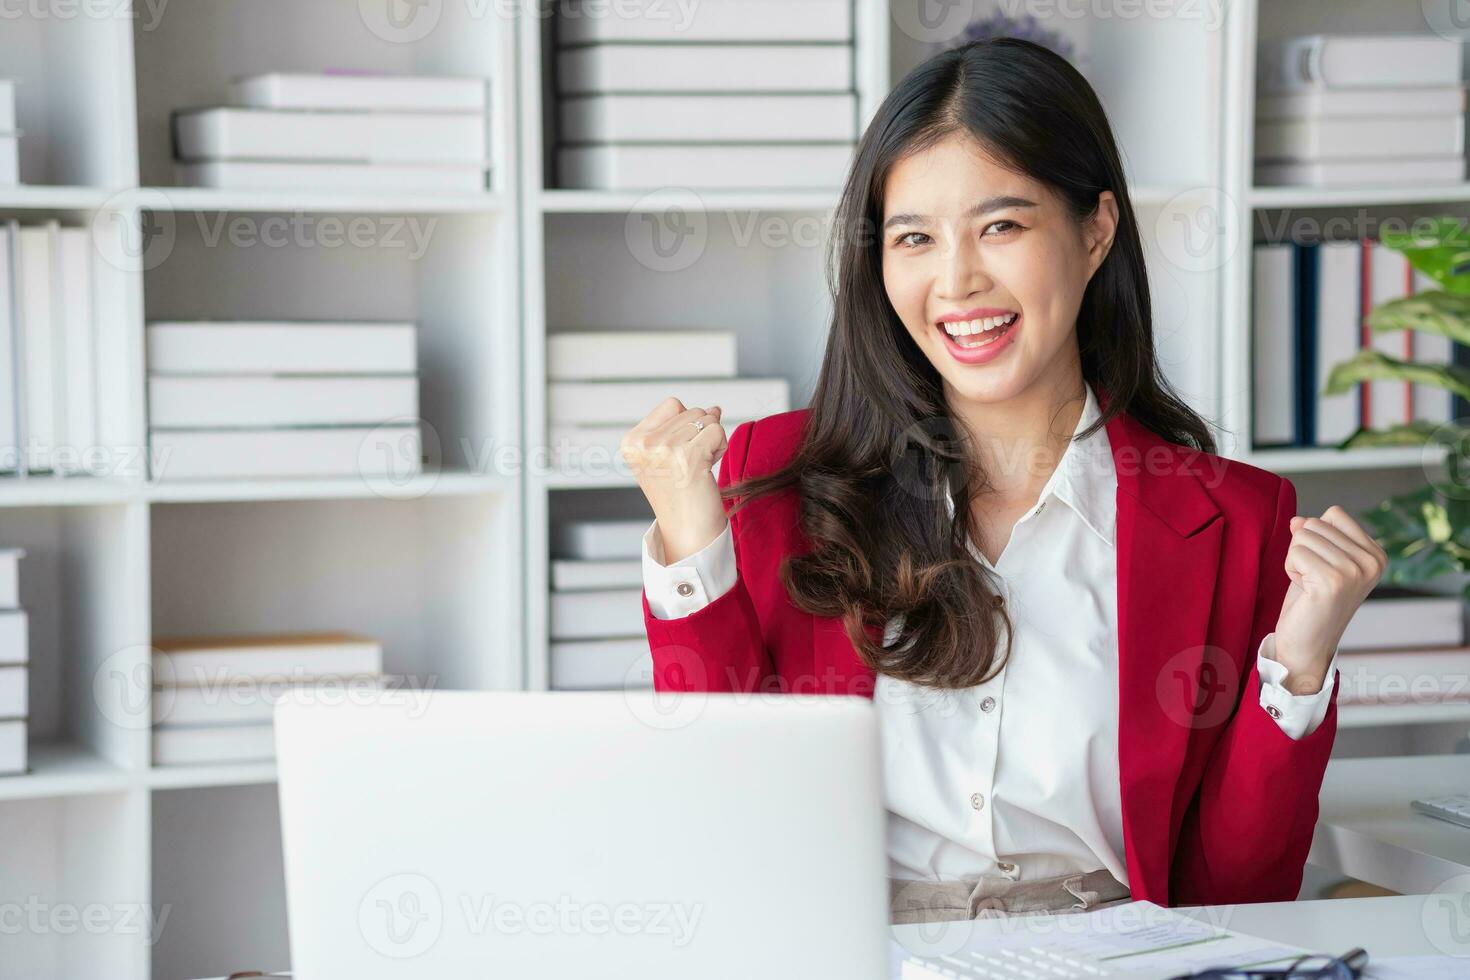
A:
1135, 939
1417, 968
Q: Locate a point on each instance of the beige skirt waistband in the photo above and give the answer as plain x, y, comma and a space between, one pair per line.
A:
992, 896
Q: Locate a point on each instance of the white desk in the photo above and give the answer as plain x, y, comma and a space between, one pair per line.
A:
1366, 830
1402, 925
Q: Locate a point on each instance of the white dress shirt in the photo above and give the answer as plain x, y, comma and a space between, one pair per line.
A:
1050, 804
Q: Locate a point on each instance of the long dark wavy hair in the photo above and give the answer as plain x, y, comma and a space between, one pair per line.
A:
879, 452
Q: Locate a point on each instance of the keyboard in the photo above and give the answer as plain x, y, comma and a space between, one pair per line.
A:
1455, 809
1007, 964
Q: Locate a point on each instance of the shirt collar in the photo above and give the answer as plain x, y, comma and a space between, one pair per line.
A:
1085, 478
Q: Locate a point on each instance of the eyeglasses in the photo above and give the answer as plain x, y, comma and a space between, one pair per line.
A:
1348, 966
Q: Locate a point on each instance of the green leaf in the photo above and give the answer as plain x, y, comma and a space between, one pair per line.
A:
1436, 521
1439, 312
1372, 365
1403, 434
1438, 247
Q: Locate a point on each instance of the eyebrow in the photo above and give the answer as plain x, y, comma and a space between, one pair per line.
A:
984, 207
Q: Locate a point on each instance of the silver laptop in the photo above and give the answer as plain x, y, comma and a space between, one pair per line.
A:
596, 834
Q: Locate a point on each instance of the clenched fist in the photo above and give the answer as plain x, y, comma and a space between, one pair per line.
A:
672, 453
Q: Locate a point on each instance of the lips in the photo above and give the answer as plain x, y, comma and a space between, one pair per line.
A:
982, 345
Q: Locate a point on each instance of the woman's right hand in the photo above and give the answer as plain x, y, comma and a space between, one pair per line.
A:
673, 462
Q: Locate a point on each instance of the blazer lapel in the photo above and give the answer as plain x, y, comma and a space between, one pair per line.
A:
1168, 552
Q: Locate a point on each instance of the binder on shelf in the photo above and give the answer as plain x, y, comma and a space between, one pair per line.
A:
1273, 347
181, 454
76, 363
9, 581
10, 392
36, 365
281, 347
608, 355
1332, 335
12, 747
594, 665
364, 92
1348, 61
9, 159
709, 118
597, 614
224, 133
7, 106
671, 68
709, 20
260, 401
616, 402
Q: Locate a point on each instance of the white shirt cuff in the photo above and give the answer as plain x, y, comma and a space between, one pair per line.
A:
1297, 714
691, 583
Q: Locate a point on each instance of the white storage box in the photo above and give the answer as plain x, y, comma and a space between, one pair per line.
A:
372, 137
590, 665
268, 453
269, 176
364, 93
709, 118
10, 577
14, 636
672, 68
593, 615
260, 401
645, 166
13, 700
604, 355
9, 159
281, 347
12, 747
707, 20
7, 106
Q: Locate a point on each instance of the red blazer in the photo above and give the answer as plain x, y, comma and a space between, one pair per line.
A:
1219, 804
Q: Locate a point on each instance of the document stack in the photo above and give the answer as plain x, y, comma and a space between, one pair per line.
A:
14, 666
601, 383
281, 399
1404, 647
730, 93
1342, 109
48, 350
1311, 302
597, 636
9, 136
213, 697
338, 132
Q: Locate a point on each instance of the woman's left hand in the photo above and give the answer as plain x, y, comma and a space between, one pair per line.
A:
1333, 564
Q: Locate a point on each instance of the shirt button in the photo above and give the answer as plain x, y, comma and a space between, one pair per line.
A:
977, 800
684, 589
987, 705
1273, 711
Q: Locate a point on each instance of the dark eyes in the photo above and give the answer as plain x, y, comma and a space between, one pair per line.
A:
903, 241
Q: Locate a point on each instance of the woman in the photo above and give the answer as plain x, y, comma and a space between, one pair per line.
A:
1109, 674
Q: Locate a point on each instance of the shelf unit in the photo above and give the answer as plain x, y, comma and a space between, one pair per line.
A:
1247, 204
431, 564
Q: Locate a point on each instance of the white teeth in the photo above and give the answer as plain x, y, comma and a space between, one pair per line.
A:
964, 328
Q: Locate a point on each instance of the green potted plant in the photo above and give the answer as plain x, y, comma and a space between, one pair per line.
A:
1426, 531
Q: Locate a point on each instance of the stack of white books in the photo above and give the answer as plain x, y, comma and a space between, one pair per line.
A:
213, 697
1345, 109
48, 350
728, 93
601, 383
338, 132
597, 637
282, 399
1405, 647
9, 136
14, 665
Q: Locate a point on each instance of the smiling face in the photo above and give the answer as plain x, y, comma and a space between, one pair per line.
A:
986, 268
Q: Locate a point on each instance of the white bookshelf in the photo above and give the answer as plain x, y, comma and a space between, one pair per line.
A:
430, 565
1249, 22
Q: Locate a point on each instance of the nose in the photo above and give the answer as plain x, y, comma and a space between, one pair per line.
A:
961, 271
